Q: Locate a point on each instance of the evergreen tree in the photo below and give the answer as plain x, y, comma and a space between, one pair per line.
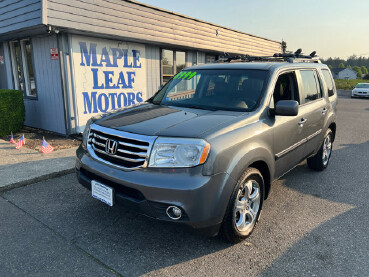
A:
341, 65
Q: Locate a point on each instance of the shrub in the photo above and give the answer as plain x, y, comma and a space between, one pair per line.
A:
348, 84
12, 111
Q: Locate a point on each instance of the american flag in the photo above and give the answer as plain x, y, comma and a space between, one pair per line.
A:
45, 147
11, 138
21, 142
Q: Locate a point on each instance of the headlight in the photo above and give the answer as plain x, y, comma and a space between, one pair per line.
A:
86, 132
178, 152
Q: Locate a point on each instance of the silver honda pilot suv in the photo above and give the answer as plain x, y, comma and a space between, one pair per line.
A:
205, 149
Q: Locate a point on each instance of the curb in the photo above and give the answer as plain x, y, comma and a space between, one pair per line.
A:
36, 179
341, 92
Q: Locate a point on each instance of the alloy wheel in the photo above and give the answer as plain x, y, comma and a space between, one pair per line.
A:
246, 206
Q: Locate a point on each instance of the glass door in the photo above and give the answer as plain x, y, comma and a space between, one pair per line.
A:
22, 67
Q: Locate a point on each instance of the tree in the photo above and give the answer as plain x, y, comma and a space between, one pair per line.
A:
364, 70
349, 66
330, 66
341, 65
359, 73
356, 68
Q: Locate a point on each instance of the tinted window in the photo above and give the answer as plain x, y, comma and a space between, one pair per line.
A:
285, 88
309, 89
328, 80
238, 90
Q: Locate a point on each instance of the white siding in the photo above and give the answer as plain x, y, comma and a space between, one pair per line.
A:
47, 111
347, 74
128, 19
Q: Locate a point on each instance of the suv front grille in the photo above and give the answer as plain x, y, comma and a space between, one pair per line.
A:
130, 151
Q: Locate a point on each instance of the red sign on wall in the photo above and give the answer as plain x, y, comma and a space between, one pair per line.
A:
54, 53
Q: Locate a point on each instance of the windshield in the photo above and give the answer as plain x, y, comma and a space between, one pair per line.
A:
362, 85
237, 90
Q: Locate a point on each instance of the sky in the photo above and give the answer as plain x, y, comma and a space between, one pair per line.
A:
337, 28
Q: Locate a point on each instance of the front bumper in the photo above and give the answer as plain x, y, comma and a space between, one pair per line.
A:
359, 94
202, 199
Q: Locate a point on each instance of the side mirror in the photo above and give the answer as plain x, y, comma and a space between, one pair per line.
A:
286, 108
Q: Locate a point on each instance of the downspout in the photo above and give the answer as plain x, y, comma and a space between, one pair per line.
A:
64, 87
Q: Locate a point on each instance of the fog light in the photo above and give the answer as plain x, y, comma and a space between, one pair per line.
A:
174, 212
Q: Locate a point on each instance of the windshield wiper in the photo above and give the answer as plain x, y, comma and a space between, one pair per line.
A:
200, 107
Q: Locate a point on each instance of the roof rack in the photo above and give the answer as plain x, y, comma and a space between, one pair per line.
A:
296, 57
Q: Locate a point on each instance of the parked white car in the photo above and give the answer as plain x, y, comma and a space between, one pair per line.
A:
361, 90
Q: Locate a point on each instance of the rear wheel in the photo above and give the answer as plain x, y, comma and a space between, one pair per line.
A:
320, 161
244, 207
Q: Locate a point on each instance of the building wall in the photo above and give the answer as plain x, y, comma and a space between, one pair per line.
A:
15, 15
47, 111
347, 74
137, 22
153, 69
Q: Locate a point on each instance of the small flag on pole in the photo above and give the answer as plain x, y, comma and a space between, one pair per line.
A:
45, 147
11, 138
21, 142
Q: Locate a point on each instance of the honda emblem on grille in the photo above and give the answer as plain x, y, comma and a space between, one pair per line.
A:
111, 147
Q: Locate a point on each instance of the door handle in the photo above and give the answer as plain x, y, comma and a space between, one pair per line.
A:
302, 122
324, 111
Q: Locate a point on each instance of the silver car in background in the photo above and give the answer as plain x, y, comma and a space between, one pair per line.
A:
360, 90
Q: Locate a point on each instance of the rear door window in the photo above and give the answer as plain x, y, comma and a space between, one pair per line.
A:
309, 88
329, 82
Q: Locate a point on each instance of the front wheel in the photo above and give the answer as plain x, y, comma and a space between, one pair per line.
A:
244, 207
320, 161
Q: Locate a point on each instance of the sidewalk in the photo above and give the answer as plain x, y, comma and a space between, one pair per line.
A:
19, 167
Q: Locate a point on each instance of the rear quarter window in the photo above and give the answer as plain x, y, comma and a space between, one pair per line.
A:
329, 82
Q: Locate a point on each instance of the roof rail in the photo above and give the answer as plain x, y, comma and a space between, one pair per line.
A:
296, 57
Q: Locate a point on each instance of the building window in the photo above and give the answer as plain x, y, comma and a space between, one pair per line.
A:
22, 66
172, 62
210, 58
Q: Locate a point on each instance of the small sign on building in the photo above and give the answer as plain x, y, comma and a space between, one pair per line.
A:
54, 53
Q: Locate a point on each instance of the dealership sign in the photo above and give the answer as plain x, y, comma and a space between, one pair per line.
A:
108, 75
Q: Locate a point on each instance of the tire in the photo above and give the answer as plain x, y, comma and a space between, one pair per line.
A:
244, 208
320, 161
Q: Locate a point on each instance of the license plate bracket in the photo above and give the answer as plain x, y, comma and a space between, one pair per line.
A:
102, 192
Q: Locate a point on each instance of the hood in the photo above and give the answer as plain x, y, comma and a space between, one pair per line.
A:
170, 121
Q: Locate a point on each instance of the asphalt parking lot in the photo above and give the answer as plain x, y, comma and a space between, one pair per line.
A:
313, 224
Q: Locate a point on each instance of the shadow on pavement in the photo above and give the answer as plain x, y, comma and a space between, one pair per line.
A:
339, 246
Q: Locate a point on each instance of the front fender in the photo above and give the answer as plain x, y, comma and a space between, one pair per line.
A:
247, 157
